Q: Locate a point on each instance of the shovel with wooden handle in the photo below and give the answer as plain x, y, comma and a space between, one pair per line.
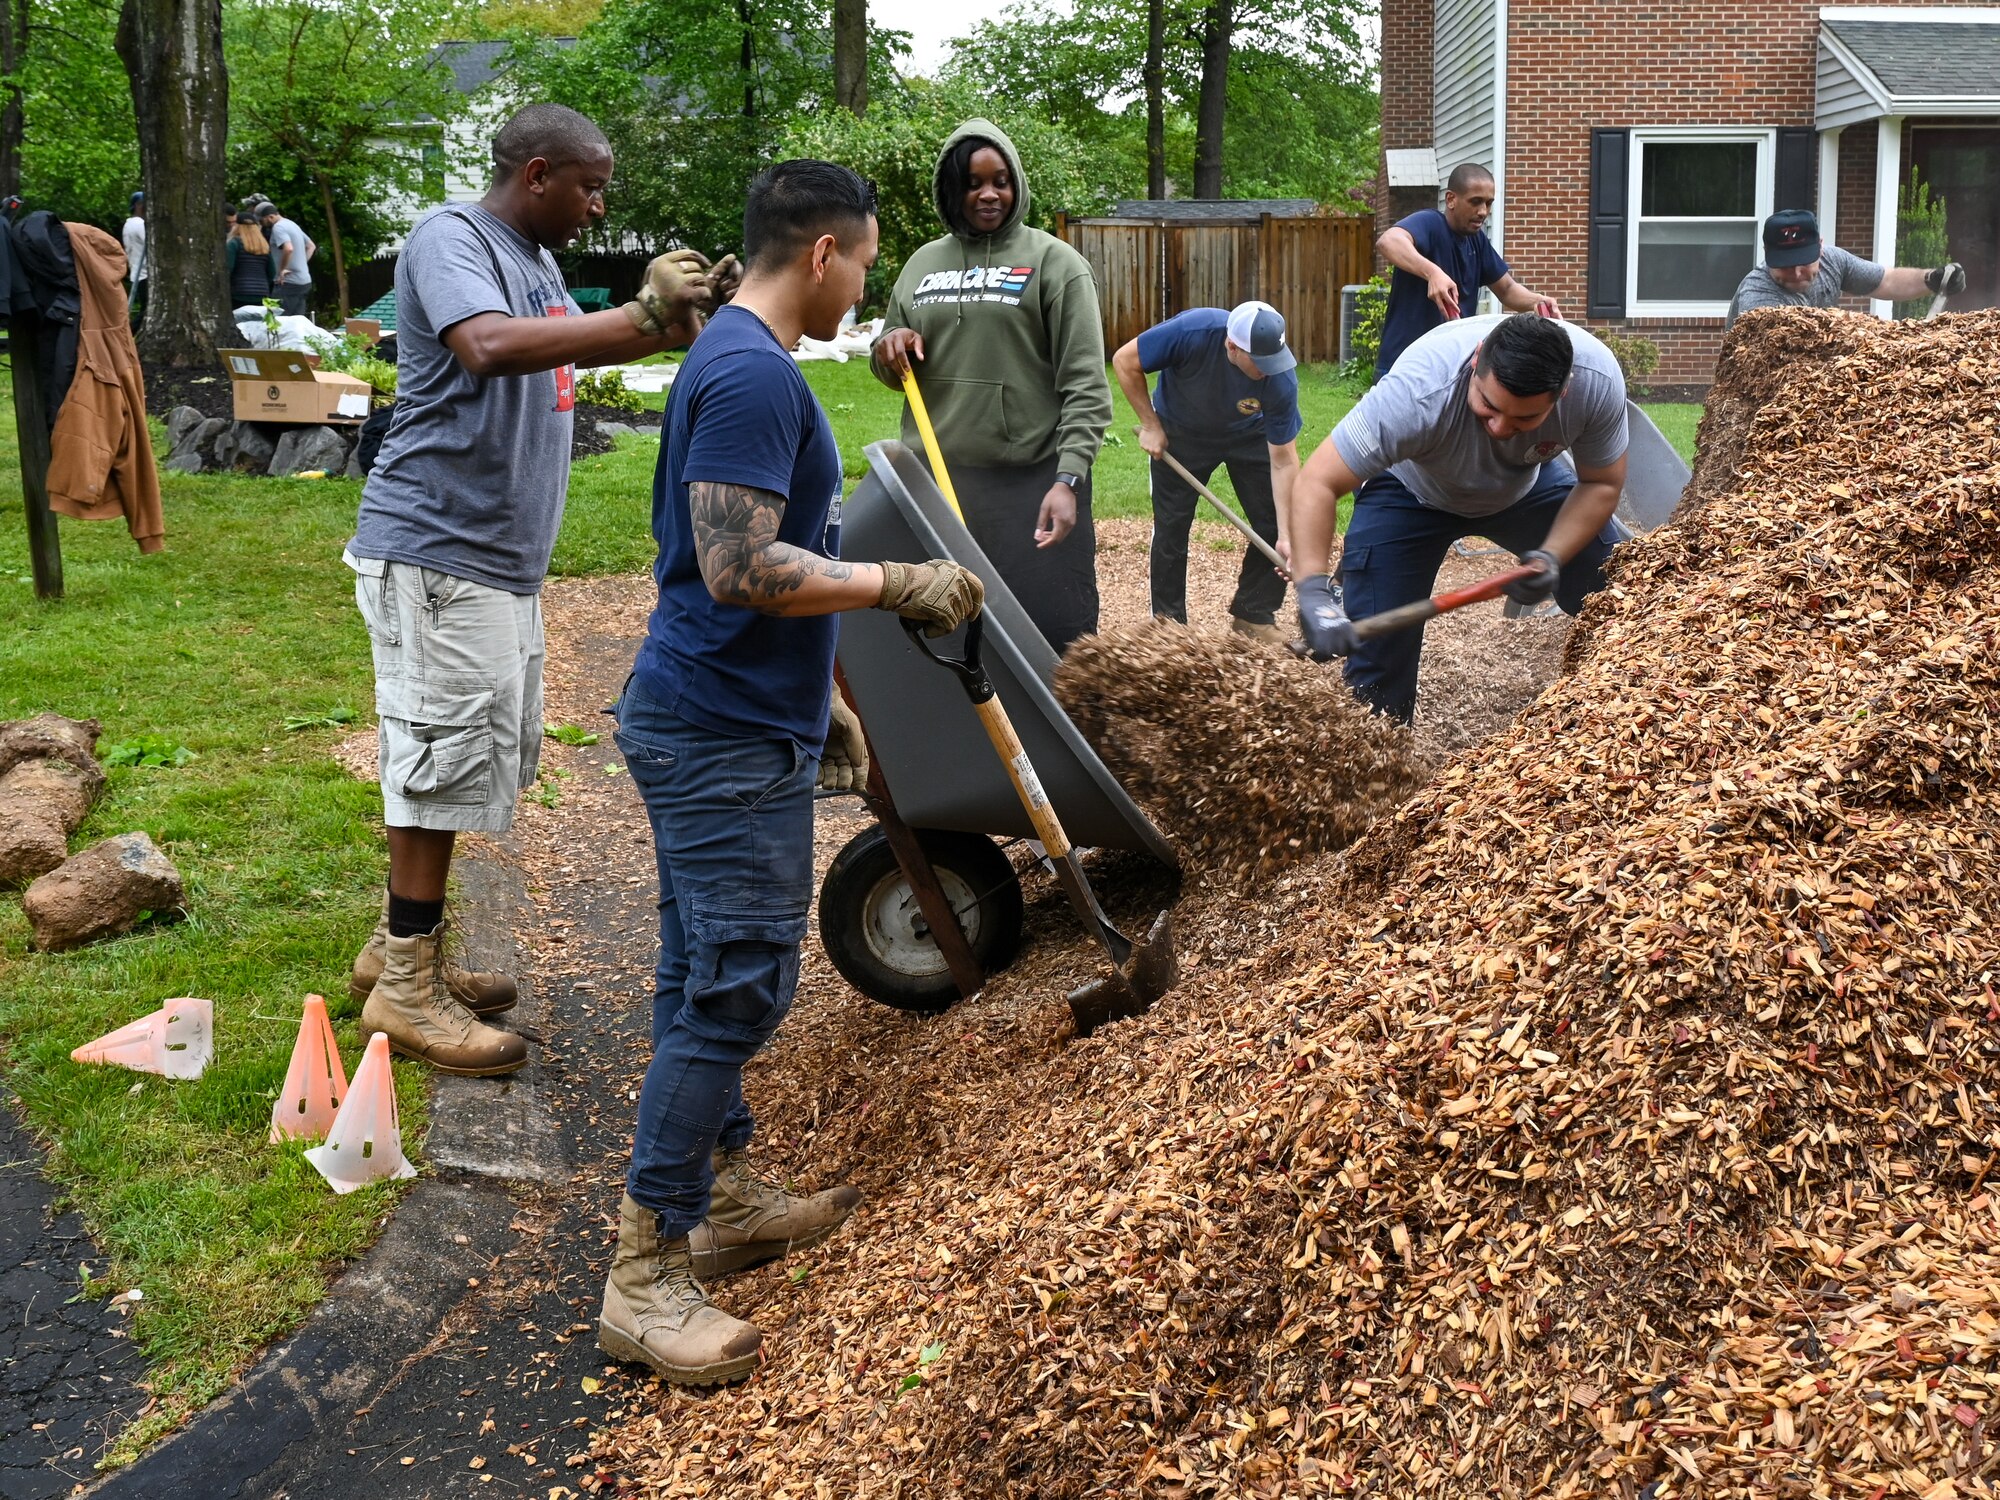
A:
1405, 616
1142, 971
1228, 515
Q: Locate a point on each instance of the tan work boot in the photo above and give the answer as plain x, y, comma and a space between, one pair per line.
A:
1271, 635
751, 1221
423, 1019
655, 1312
484, 993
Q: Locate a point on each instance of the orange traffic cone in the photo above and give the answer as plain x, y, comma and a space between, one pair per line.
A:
177, 1041
366, 1141
314, 1083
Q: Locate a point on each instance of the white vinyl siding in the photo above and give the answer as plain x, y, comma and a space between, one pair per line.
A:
1465, 87
1842, 98
1694, 216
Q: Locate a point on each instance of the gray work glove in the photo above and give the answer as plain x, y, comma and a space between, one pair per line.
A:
677, 290
1948, 279
940, 595
843, 764
1328, 631
1542, 587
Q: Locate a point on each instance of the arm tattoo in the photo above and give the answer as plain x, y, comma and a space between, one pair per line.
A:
737, 548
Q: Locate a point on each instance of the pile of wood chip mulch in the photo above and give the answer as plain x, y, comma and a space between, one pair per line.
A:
1613, 1119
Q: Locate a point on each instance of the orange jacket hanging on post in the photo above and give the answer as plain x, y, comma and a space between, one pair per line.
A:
101, 454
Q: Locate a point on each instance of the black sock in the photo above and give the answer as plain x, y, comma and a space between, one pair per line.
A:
409, 918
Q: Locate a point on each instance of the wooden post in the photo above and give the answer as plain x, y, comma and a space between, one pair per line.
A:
31, 425
916, 867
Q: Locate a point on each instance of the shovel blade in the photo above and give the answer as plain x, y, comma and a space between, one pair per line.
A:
1131, 988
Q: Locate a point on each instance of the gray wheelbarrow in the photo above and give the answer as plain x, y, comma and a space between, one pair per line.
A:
950, 787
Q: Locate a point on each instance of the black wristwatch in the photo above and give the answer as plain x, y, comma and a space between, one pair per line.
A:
1074, 481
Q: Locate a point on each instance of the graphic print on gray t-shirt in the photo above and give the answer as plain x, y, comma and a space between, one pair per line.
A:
1839, 273
1416, 421
473, 473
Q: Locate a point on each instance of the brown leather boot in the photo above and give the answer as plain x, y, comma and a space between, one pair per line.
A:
423, 1019
751, 1221
1271, 635
484, 993
655, 1312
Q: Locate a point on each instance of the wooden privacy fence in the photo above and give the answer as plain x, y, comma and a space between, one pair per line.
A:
1147, 270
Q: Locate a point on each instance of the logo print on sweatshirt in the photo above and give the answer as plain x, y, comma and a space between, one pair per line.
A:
975, 284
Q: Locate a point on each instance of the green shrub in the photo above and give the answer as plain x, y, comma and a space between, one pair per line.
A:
607, 388
1920, 236
1637, 356
1371, 306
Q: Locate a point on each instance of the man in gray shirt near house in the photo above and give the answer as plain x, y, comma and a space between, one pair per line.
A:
291, 248
1800, 270
457, 522
1465, 436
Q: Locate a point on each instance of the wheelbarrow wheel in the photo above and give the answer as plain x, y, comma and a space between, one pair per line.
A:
876, 936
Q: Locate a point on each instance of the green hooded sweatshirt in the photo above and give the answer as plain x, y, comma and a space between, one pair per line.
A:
1013, 366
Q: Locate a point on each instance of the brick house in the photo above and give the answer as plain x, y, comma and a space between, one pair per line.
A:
1637, 148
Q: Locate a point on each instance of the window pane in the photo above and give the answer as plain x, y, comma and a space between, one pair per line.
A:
1693, 179
1694, 262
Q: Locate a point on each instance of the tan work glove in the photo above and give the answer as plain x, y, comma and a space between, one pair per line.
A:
726, 276
843, 764
676, 291
940, 595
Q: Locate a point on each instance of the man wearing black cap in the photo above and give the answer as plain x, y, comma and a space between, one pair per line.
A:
1228, 395
1799, 270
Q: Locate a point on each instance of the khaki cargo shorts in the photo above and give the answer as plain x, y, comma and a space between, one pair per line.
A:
458, 693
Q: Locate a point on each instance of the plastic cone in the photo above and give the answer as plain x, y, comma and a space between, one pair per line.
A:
366, 1141
314, 1083
176, 1041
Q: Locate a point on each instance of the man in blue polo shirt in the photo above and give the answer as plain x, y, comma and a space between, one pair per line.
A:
1228, 395
1441, 258
723, 724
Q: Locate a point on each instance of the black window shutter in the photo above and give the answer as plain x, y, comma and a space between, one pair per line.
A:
1797, 178
1610, 158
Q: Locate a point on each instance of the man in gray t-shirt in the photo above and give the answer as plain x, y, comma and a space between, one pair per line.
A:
1465, 436
457, 522
1800, 270
291, 248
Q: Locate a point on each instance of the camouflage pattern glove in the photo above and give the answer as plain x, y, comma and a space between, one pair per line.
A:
675, 291
940, 595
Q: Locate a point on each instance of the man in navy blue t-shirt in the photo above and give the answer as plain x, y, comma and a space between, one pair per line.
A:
722, 725
1228, 394
1440, 259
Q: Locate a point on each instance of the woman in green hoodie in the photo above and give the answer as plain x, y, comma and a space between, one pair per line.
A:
1000, 322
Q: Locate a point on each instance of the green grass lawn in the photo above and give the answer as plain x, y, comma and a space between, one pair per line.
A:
245, 620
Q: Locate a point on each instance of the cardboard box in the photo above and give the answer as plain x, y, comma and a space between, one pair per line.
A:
368, 330
276, 385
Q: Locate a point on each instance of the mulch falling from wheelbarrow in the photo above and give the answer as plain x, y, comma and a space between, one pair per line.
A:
1615, 1119
1249, 758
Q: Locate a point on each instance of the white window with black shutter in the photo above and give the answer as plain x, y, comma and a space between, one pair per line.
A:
1676, 213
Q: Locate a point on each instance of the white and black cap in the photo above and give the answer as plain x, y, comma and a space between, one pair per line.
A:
1258, 329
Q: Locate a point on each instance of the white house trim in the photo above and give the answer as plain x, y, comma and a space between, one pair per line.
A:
1829, 181
1888, 177
1497, 229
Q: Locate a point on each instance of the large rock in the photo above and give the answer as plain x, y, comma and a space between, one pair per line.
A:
50, 736
102, 892
181, 421
189, 462
245, 445
615, 429
306, 448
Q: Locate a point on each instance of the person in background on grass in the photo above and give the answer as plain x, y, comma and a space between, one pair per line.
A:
291, 248
1441, 258
1000, 321
135, 257
1466, 436
726, 723
457, 521
250, 264
1800, 270
1229, 394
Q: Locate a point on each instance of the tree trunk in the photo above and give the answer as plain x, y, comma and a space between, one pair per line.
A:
13, 52
1156, 104
172, 51
850, 56
333, 234
1214, 100
747, 61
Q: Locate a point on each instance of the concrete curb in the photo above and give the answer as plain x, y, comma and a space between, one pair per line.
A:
385, 1308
